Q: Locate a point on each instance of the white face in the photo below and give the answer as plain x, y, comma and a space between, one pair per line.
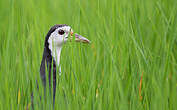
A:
59, 36
56, 39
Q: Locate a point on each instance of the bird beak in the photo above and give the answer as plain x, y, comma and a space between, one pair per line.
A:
79, 38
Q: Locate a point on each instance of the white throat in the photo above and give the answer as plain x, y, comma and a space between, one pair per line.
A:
56, 52
56, 40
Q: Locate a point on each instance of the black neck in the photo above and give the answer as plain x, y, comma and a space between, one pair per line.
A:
46, 64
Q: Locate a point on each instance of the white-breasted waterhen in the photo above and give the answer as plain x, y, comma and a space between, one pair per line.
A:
57, 36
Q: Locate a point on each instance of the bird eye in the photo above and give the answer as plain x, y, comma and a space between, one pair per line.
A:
61, 32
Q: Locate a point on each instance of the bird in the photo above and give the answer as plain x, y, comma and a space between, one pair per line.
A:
57, 36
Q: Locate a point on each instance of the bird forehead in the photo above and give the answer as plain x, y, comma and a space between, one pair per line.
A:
65, 28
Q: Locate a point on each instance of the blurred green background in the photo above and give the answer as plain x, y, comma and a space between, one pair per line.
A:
131, 63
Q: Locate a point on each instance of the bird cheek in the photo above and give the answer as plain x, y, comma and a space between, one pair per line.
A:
57, 41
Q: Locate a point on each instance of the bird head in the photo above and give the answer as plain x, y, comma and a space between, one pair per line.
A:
57, 36
60, 34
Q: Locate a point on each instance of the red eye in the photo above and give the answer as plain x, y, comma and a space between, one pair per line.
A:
61, 32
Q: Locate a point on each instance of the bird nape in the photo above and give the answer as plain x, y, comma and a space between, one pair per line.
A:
57, 36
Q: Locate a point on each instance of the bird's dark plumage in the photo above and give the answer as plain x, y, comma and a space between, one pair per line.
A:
48, 61
55, 38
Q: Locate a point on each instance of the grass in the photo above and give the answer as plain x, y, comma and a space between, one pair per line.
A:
131, 63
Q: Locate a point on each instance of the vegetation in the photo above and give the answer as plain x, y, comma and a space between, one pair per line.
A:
131, 63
